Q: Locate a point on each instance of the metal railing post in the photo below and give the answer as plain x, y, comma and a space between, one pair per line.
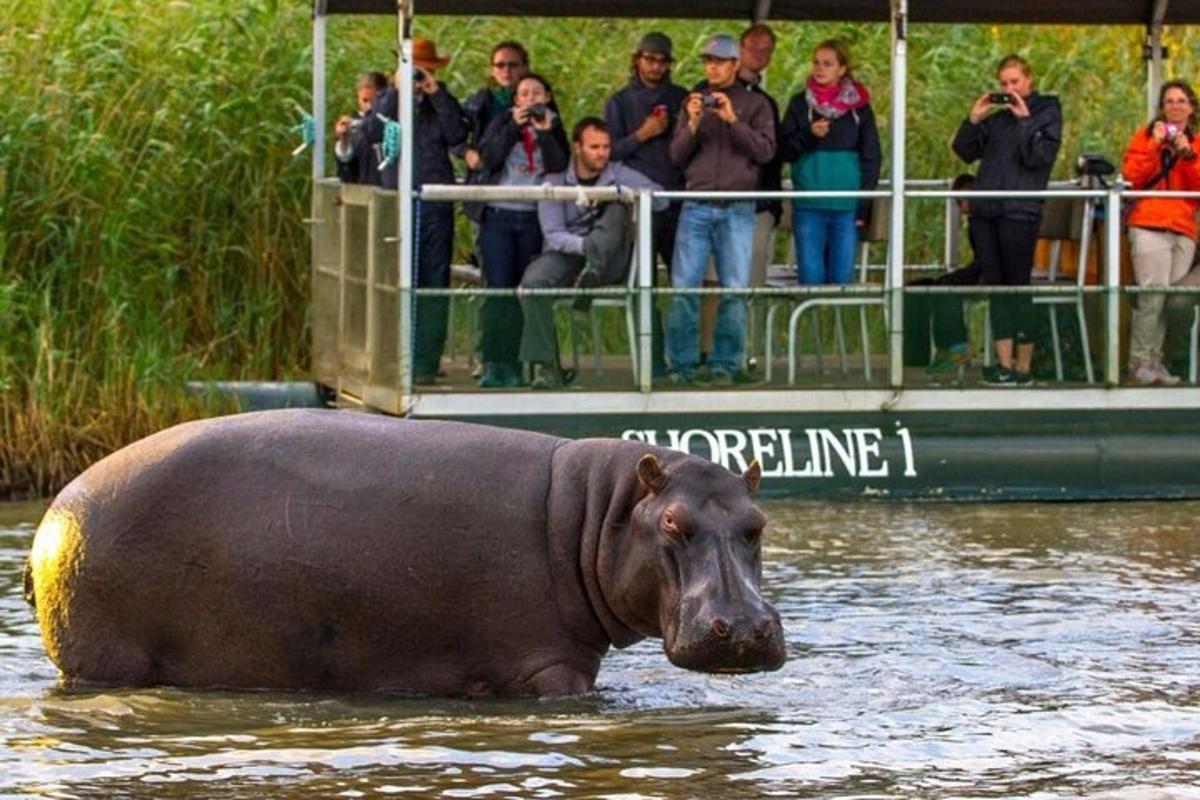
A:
645, 281
1112, 287
405, 232
895, 262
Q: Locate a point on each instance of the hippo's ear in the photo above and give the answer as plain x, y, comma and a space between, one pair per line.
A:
753, 476
650, 473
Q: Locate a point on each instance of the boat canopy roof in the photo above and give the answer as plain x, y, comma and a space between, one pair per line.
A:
1073, 12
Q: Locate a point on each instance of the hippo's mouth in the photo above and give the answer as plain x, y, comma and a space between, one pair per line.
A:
722, 651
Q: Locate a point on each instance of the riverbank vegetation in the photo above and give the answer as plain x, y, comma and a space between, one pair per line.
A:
151, 212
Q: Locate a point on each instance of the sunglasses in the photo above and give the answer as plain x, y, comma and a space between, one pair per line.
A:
506, 64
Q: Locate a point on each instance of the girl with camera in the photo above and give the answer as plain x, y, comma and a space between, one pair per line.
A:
829, 134
517, 149
1015, 135
1162, 230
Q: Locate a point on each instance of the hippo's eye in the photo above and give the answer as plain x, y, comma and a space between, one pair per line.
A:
753, 535
673, 527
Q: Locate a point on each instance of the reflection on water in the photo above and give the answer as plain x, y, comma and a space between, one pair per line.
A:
935, 650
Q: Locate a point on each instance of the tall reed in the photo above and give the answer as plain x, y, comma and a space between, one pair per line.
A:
151, 214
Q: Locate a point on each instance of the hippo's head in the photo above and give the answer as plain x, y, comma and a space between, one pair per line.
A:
695, 580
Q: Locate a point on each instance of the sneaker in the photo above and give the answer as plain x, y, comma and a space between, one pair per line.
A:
719, 377
1165, 378
951, 360
510, 374
1022, 378
491, 377
679, 378
547, 375
1144, 375
1000, 376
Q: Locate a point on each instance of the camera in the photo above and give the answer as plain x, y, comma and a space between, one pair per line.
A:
1093, 168
709, 102
1000, 99
1172, 131
418, 74
537, 112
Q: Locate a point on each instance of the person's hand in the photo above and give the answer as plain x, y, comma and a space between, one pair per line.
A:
1182, 146
521, 115
694, 108
342, 128
1158, 131
543, 124
471, 156
653, 125
1019, 108
428, 84
724, 108
820, 127
981, 108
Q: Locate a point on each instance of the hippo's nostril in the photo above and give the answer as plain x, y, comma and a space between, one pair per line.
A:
765, 629
720, 628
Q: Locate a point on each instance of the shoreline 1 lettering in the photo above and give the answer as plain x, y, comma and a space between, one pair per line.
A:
787, 453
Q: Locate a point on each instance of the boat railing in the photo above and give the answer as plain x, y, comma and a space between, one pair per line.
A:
363, 326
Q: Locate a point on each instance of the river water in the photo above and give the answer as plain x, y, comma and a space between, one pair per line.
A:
934, 651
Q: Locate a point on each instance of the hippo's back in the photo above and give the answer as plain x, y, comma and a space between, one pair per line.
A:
295, 549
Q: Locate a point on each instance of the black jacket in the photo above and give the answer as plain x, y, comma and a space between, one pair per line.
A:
440, 126
363, 164
503, 133
770, 177
625, 112
1013, 154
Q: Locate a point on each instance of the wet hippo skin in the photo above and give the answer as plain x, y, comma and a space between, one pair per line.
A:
342, 551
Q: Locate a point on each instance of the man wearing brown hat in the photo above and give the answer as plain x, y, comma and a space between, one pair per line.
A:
439, 126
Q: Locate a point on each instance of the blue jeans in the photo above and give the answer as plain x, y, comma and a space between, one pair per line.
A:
508, 241
725, 230
825, 242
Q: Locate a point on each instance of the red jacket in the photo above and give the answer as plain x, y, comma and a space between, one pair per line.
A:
1142, 163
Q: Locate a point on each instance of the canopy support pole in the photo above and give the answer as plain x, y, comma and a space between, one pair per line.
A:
762, 10
318, 96
895, 260
407, 234
1153, 55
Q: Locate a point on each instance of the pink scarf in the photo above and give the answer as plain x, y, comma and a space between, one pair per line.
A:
836, 99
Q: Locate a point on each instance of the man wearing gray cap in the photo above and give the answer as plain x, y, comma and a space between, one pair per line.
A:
640, 118
725, 137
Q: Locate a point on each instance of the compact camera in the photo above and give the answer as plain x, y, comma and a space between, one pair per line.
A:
709, 101
1172, 131
537, 112
1000, 99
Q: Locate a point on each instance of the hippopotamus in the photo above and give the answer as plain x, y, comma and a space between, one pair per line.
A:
343, 551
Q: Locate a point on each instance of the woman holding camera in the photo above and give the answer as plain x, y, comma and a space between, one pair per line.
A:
517, 149
830, 136
1162, 230
1015, 135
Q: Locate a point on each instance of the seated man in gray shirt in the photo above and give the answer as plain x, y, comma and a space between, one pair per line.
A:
586, 245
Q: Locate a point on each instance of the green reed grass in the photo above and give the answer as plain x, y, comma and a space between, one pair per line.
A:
151, 213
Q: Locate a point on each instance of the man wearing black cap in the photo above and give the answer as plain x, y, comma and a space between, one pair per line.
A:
640, 118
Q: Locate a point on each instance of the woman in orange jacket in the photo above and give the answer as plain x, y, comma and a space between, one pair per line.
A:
1162, 230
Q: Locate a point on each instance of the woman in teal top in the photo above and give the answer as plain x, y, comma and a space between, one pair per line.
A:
830, 137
